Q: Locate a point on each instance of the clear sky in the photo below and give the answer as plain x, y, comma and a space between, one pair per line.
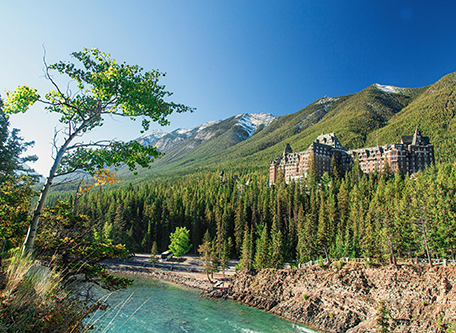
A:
229, 57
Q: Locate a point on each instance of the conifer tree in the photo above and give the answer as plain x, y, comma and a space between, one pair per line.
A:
205, 250
224, 256
421, 197
240, 220
246, 260
276, 246
12, 147
343, 201
180, 241
322, 230
262, 250
153, 254
356, 172
312, 175
302, 254
335, 176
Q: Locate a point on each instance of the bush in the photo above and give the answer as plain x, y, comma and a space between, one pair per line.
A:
33, 300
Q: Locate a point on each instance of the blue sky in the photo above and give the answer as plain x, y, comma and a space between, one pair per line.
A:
229, 57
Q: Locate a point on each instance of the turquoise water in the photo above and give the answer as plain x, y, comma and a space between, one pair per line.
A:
154, 306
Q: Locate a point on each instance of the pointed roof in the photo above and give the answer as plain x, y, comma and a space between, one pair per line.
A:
329, 139
287, 150
418, 139
416, 136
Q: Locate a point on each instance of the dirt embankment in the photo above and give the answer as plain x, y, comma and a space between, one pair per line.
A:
346, 298
185, 271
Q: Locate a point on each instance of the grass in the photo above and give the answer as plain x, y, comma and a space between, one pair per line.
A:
32, 299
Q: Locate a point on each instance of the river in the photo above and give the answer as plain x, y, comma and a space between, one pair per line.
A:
151, 305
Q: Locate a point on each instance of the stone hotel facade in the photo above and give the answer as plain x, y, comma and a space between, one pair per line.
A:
412, 154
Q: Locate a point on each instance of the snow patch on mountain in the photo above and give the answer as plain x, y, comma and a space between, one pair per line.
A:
184, 132
388, 89
151, 136
208, 124
250, 121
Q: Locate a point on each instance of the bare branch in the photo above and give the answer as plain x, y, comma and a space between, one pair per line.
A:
101, 144
46, 73
54, 143
72, 179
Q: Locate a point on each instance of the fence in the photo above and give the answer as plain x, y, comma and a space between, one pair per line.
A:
399, 261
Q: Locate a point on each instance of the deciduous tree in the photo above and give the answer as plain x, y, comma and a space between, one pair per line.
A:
180, 241
104, 88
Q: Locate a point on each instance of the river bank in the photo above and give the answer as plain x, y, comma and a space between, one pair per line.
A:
346, 298
186, 271
338, 298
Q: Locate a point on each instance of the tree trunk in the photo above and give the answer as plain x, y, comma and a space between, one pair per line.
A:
452, 252
76, 198
1, 251
327, 255
426, 242
423, 227
31, 233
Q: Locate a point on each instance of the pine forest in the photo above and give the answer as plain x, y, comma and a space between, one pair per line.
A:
382, 216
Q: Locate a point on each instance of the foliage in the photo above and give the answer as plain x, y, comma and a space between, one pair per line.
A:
180, 241
247, 250
208, 259
223, 257
100, 177
355, 118
65, 243
153, 254
383, 317
15, 196
33, 301
11, 149
347, 220
104, 88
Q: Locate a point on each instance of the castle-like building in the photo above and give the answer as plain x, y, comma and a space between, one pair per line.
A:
412, 154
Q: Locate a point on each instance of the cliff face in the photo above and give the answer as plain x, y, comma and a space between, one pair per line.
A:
345, 298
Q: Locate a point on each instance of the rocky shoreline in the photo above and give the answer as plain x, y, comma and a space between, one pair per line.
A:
345, 298
339, 298
158, 273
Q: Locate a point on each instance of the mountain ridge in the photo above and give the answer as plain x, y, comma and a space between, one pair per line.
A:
356, 119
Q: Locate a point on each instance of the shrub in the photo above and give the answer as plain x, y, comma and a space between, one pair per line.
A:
33, 300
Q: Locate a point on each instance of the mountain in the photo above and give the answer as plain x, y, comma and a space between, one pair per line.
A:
251, 141
221, 134
151, 137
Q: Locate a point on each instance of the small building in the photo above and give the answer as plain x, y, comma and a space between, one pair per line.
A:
166, 255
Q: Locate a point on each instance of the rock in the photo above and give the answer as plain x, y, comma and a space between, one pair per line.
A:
346, 299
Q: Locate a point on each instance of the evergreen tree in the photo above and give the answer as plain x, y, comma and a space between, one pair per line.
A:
205, 250
224, 256
240, 219
262, 250
322, 230
153, 254
302, 253
246, 260
12, 146
276, 246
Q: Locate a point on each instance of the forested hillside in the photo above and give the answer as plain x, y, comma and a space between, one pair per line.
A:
381, 216
356, 119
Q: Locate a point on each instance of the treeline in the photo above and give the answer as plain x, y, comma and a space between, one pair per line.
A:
383, 216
